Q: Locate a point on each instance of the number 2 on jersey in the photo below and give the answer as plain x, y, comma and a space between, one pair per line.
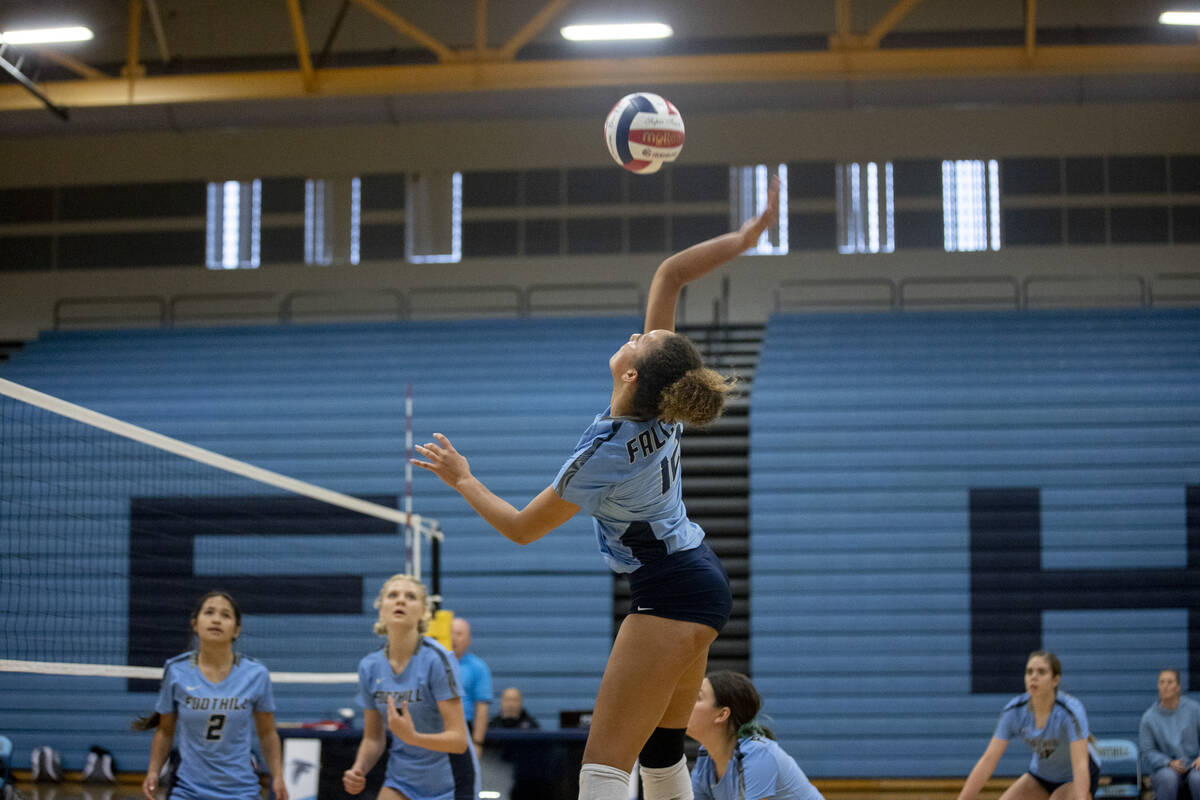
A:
215, 723
670, 469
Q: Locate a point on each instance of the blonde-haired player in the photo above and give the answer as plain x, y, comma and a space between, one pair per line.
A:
412, 684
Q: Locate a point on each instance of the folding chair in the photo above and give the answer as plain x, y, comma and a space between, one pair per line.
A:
1120, 770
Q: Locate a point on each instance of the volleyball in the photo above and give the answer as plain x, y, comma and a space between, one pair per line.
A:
643, 131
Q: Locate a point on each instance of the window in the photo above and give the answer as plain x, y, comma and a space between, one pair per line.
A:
332, 221
970, 205
234, 224
433, 211
748, 187
866, 208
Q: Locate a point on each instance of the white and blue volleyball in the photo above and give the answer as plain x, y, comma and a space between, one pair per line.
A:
643, 131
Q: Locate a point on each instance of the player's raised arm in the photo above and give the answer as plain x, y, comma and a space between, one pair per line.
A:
542, 514
700, 259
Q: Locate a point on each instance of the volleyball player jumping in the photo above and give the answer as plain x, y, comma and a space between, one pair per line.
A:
625, 472
413, 685
212, 700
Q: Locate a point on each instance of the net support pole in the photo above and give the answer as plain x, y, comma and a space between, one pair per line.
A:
436, 564
412, 539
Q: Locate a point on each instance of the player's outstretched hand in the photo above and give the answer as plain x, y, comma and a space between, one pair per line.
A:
150, 786
752, 228
353, 780
444, 461
400, 722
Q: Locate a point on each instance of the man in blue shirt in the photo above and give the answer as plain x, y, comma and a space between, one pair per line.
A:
477, 682
1169, 740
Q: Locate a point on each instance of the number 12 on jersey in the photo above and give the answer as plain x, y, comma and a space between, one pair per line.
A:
670, 469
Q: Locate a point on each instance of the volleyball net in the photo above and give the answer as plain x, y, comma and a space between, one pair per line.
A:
109, 534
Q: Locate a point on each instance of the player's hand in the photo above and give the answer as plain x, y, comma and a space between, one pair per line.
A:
752, 229
400, 723
279, 787
443, 460
150, 786
353, 780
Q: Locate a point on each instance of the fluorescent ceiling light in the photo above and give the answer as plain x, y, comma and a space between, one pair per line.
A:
1180, 18
47, 35
634, 30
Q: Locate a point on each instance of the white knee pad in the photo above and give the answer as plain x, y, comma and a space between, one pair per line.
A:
602, 782
667, 783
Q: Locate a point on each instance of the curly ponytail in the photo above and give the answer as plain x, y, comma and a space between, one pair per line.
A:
698, 398
674, 385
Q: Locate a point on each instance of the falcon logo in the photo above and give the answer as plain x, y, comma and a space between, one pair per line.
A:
300, 769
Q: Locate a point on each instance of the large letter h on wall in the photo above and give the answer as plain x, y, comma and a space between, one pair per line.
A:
1010, 590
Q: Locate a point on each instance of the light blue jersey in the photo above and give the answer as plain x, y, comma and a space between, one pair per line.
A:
763, 770
430, 676
625, 473
214, 729
1051, 744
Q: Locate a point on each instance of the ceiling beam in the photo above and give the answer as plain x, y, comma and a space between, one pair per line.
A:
532, 28
406, 28
481, 37
72, 64
842, 35
160, 35
307, 75
890, 20
1012, 63
133, 43
1030, 27
14, 71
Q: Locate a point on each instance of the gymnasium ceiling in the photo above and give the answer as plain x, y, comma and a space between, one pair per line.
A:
203, 64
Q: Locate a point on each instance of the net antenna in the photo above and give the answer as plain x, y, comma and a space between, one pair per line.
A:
412, 550
416, 526
414, 534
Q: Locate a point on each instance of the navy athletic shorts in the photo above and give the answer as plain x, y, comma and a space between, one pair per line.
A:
1093, 770
689, 585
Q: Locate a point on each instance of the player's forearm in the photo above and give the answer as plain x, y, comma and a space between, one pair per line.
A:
444, 742
971, 787
479, 730
272, 752
369, 750
700, 259
1081, 781
976, 780
498, 513
160, 751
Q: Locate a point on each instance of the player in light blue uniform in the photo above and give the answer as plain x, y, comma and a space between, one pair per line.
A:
625, 473
212, 702
1065, 765
739, 758
412, 684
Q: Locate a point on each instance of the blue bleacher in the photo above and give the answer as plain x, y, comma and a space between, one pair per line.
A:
866, 433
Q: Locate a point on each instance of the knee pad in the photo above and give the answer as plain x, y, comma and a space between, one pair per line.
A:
600, 782
664, 748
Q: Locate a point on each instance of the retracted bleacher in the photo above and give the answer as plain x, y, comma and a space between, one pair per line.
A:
892, 606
